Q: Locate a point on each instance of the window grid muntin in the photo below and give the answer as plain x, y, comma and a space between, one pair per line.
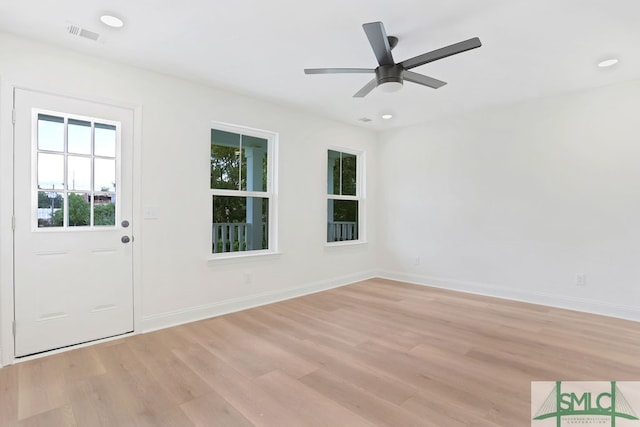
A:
65, 191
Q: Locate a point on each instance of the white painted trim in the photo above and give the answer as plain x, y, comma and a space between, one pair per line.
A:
6, 233
361, 192
192, 314
244, 256
136, 226
246, 130
340, 243
273, 142
541, 298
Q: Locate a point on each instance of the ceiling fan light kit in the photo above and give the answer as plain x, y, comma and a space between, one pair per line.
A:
390, 75
390, 86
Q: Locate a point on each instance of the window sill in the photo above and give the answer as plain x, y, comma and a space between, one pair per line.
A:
238, 257
345, 243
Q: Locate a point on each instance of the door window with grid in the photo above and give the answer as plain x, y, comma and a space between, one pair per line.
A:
76, 171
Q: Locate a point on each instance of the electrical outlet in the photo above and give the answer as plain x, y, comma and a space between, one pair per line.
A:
248, 278
581, 279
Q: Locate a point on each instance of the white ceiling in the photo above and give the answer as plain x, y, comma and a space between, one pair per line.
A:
531, 48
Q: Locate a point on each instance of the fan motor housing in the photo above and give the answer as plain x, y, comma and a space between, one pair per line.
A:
389, 73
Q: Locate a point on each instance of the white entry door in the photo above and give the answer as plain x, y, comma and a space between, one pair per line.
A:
73, 234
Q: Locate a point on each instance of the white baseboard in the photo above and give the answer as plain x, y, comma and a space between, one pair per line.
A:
551, 300
192, 314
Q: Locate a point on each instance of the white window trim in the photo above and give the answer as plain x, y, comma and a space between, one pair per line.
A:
271, 193
65, 190
360, 196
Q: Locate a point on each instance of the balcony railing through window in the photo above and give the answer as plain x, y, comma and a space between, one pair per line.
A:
237, 237
338, 231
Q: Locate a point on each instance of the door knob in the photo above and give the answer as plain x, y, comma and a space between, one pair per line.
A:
125, 239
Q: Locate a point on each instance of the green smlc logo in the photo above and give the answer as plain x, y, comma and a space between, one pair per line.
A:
610, 403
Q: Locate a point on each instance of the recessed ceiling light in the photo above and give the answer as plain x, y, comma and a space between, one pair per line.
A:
387, 116
607, 63
112, 21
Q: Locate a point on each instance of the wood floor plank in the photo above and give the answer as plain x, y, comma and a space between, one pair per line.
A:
176, 378
60, 416
314, 408
377, 352
255, 404
361, 402
107, 400
305, 322
213, 409
373, 374
248, 353
352, 369
9, 388
41, 386
83, 363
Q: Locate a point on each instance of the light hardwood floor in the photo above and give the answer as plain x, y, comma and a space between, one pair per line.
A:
372, 353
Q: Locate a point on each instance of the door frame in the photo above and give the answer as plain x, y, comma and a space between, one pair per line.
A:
7, 273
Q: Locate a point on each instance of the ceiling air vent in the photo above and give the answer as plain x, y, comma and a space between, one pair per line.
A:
76, 30
364, 119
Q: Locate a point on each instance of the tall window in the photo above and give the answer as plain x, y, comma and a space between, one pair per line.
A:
242, 189
344, 196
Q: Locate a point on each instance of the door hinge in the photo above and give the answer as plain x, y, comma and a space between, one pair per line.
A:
14, 328
13, 116
13, 223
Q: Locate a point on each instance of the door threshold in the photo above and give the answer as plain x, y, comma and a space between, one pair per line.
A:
40, 354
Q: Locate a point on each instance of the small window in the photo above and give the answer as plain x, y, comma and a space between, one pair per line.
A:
344, 196
242, 193
76, 172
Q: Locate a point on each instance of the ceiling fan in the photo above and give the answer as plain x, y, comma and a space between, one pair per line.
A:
389, 74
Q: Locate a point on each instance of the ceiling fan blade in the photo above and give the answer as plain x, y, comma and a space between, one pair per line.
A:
366, 89
339, 70
441, 53
423, 80
379, 42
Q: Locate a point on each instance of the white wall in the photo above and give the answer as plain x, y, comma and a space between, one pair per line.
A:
512, 201
516, 201
176, 281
